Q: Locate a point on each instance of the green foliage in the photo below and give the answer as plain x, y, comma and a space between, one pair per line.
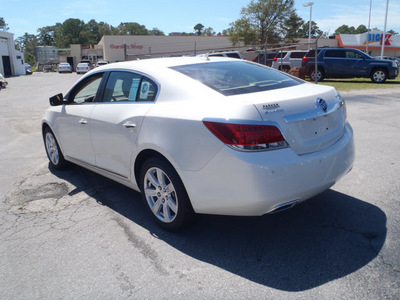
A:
198, 28
262, 22
292, 25
208, 32
315, 31
3, 25
132, 28
344, 29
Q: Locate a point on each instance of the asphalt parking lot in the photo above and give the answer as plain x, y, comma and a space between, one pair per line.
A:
75, 235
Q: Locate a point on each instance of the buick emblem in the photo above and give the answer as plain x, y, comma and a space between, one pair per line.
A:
322, 104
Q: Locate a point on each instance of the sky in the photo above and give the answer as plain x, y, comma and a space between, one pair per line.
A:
182, 15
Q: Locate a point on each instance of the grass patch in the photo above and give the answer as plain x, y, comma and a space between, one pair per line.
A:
360, 84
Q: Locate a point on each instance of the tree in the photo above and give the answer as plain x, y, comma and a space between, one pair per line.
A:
27, 44
392, 32
208, 32
46, 36
198, 28
344, 29
361, 29
132, 28
315, 31
292, 26
72, 31
262, 21
3, 25
156, 31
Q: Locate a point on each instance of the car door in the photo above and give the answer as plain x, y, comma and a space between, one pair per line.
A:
73, 121
358, 62
117, 118
335, 63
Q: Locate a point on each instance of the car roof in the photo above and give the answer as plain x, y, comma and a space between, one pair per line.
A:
152, 64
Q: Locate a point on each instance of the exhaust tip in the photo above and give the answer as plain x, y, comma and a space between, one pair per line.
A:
283, 206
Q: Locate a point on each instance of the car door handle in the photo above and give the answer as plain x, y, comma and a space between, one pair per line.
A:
83, 121
129, 125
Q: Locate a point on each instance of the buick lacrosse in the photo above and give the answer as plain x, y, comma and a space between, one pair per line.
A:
202, 135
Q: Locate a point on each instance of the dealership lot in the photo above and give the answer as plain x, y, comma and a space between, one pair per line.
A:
75, 235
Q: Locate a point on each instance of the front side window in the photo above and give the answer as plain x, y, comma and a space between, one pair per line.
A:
235, 78
353, 55
129, 87
86, 90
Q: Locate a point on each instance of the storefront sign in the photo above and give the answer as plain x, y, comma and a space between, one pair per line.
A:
131, 46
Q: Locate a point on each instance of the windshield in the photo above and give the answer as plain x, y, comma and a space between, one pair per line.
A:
235, 78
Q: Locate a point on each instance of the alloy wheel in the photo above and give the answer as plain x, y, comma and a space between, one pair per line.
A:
161, 195
52, 148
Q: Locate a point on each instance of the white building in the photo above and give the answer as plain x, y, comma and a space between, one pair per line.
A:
11, 60
374, 41
128, 47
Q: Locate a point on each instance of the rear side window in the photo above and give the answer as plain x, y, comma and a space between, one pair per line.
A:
335, 53
129, 87
297, 54
281, 54
235, 78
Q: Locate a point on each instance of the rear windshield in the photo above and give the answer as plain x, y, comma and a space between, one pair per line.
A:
235, 78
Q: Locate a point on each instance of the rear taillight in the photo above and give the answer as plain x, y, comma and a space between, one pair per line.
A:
248, 137
305, 58
275, 59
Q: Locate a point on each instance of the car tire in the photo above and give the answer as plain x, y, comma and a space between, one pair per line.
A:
53, 151
319, 74
285, 69
164, 195
379, 75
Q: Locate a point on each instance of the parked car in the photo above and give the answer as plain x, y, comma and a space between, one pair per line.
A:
88, 62
64, 67
265, 58
28, 69
3, 82
202, 135
82, 68
231, 54
101, 63
348, 63
286, 60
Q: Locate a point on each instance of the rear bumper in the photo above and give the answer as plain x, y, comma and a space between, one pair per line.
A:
253, 184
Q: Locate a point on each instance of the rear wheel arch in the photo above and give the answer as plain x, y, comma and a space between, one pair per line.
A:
149, 160
141, 159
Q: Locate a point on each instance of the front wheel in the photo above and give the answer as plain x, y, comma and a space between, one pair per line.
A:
319, 75
53, 150
164, 194
378, 76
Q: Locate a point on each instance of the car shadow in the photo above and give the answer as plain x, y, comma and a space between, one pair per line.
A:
325, 238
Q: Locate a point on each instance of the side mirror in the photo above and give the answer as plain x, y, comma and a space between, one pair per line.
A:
56, 100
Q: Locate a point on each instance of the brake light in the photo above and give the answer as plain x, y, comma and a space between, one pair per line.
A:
275, 59
305, 58
248, 137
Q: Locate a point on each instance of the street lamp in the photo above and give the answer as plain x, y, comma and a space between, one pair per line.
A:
310, 4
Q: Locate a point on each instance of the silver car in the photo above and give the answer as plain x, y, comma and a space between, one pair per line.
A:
64, 67
202, 135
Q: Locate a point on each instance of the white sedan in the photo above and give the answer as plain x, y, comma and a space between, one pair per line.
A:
64, 67
82, 68
203, 135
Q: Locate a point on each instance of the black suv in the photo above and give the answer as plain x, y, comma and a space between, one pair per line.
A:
348, 63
